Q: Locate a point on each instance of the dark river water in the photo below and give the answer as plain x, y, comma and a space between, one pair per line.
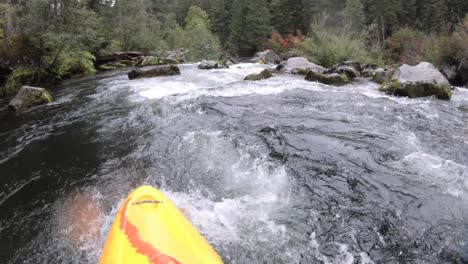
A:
275, 171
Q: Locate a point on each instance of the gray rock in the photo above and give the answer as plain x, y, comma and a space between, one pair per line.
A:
267, 56
296, 63
163, 70
418, 81
28, 97
382, 75
208, 65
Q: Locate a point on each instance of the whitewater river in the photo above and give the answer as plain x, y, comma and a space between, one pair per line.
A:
276, 171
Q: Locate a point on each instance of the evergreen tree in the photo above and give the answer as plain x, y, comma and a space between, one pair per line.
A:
289, 16
250, 26
355, 17
435, 15
219, 15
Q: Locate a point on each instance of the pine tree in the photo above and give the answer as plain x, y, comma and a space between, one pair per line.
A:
250, 26
219, 16
435, 15
354, 13
289, 16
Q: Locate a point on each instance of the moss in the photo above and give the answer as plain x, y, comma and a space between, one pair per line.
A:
28, 97
301, 71
415, 89
331, 79
27, 76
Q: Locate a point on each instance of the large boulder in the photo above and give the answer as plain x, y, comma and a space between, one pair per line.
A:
178, 55
330, 79
267, 56
28, 97
418, 81
208, 65
265, 74
300, 64
158, 71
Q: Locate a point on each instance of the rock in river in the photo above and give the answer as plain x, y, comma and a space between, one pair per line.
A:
298, 65
28, 97
265, 74
163, 70
208, 65
418, 81
330, 79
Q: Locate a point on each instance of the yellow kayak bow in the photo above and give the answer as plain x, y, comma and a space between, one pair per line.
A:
149, 228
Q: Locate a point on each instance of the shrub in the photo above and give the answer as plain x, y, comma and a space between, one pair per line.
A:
72, 63
281, 44
329, 46
410, 46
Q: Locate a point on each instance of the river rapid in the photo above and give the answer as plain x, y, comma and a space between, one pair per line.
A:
275, 171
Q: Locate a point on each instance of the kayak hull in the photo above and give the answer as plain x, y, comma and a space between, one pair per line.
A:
149, 228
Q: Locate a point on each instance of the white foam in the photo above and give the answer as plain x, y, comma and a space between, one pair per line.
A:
448, 175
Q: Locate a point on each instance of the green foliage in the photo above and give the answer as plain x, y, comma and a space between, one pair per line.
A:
354, 13
411, 46
200, 41
73, 63
328, 46
135, 28
250, 26
26, 76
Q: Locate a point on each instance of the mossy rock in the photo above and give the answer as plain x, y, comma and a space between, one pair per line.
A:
301, 71
265, 74
28, 76
28, 97
330, 79
416, 89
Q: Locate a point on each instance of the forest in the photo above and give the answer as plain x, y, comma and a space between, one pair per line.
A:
56, 39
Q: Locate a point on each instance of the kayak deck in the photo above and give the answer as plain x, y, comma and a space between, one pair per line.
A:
149, 228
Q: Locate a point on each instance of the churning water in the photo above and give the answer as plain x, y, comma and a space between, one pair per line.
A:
276, 171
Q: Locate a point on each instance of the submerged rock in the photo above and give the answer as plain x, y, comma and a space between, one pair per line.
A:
208, 65
330, 79
418, 81
265, 74
300, 64
267, 56
163, 70
28, 97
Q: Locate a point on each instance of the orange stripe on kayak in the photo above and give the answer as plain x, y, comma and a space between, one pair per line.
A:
142, 247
